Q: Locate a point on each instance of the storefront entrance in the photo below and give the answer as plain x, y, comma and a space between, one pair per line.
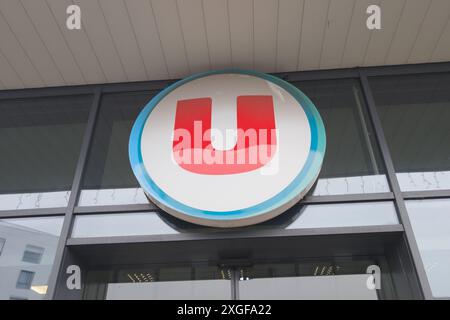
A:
340, 266
343, 278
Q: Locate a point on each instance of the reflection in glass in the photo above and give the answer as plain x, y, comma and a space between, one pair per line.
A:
25, 279
34, 200
33, 254
430, 220
352, 162
346, 215
310, 216
27, 256
40, 139
117, 196
108, 179
156, 282
415, 114
119, 224
335, 278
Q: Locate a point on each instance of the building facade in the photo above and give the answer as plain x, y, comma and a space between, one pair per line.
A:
69, 194
75, 223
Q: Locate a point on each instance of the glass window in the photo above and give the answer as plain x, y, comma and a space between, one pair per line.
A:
430, 220
156, 282
17, 275
33, 254
334, 278
309, 216
108, 179
352, 162
25, 279
40, 139
2, 244
415, 114
345, 215
119, 224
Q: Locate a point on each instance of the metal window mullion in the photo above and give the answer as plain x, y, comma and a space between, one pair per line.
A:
347, 198
426, 194
365, 130
405, 69
393, 182
68, 218
116, 208
235, 283
47, 92
37, 212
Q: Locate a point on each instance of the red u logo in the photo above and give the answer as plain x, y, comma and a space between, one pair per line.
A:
255, 139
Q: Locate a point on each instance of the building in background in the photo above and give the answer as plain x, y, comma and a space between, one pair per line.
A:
27, 251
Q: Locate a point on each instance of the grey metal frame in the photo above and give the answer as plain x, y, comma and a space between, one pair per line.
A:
395, 187
355, 73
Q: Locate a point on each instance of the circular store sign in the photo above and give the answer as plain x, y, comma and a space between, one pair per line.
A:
227, 148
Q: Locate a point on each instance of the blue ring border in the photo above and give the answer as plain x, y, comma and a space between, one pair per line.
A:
303, 180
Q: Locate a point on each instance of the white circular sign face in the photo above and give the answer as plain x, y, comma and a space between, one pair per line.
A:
227, 148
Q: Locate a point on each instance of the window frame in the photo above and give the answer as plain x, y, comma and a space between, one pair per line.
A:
2, 245
32, 249
29, 277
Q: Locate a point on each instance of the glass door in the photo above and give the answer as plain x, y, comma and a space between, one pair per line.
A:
156, 282
324, 279
360, 278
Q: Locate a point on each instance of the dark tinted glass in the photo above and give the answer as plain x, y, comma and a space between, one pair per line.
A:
40, 140
108, 178
352, 162
415, 114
